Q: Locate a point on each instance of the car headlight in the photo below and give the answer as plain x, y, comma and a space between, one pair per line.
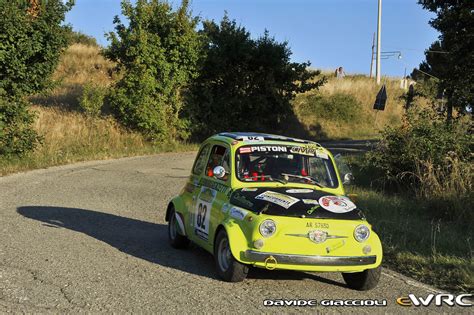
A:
361, 233
267, 228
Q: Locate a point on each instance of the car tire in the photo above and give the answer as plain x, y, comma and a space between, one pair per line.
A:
228, 268
176, 240
363, 281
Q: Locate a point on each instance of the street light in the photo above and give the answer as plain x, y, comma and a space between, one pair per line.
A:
388, 54
385, 55
379, 35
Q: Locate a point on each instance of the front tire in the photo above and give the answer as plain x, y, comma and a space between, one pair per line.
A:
228, 268
363, 281
176, 240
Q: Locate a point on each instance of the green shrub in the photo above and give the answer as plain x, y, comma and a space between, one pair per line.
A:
338, 106
157, 52
30, 45
75, 37
16, 135
433, 160
245, 83
92, 99
423, 138
32, 37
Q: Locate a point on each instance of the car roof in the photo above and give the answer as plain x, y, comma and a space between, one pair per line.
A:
240, 136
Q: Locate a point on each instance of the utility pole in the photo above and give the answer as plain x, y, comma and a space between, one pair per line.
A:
379, 35
372, 56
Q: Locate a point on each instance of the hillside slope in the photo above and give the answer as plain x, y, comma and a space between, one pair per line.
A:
343, 108
68, 134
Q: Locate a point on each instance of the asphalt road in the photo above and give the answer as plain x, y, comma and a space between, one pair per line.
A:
91, 237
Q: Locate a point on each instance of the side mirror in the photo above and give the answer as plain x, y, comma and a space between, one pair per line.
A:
348, 179
219, 172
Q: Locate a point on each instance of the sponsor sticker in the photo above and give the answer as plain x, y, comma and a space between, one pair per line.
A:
225, 207
282, 200
322, 155
250, 138
245, 150
214, 185
310, 202
310, 151
299, 191
249, 189
269, 148
337, 204
313, 208
238, 213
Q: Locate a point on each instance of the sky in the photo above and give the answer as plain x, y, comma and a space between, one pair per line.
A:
328, 33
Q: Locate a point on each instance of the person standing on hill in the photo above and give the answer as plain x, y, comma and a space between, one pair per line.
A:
340, 73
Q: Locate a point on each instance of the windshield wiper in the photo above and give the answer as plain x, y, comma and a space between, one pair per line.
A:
314, 181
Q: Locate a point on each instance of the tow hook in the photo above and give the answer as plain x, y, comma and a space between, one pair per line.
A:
270, 263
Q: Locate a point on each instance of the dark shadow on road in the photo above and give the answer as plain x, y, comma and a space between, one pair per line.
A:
144, 240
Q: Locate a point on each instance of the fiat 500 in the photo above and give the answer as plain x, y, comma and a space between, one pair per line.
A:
268, 201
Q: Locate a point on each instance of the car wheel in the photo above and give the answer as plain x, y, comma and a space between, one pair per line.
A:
363, 281
176, 240
227, 267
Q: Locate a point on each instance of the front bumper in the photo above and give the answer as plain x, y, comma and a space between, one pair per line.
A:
306, 260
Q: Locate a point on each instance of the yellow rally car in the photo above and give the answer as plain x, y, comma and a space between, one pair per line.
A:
273, 202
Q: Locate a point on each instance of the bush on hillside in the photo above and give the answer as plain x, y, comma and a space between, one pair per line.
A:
431, 158
32, 37
16, 135
157, 52
75, 37
92, 98
339, 106
245, 83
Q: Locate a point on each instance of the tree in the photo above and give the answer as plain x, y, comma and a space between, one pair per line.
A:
157, 53
32, 38
451, 58
244, 83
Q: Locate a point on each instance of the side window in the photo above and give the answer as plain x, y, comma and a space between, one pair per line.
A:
323, 172
219, 157
201, 160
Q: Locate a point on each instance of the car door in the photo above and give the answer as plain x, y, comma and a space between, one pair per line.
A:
192, 186
210, 196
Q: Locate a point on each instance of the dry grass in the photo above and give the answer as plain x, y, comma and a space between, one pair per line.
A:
65, 132
455, 178
368, 123
434, 251
448, 188
80, 64
71, 137
427, 233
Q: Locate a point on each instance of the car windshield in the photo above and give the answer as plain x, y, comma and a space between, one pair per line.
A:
285, 164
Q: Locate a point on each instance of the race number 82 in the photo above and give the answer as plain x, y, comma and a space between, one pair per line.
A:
201, 216
201, 221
